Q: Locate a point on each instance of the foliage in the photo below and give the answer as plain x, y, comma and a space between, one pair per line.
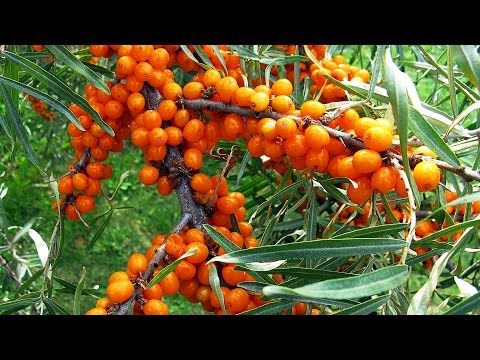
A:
428, 93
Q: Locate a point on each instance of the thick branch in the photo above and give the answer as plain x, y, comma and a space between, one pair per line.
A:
209, 105
192, 213
10, 272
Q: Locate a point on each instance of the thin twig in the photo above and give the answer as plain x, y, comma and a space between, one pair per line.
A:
10, 272
413, 215
465, 172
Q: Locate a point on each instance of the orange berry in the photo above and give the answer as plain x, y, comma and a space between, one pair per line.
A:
384, 179
185, 270
193, 90
317, 137
348, 119
367, 161
136, 102
424, 150
141, 52
236, 301
151, 119
211, 77
378, 138
96, 311
312, 108
193, 130
345, 168
164, 185
80, 181
201, 183
148, 175
85, 203
170, 284
143, 71
259, 101
137, 263
155, 292
282, 104
222, 188
201, 254
363, 124
66, 185
427, 175
243, 95
174, 135
155, 307
362, 193
119, 291
317, 160
193, 158
167, 109
118, 276
286, 127
282, 87
296, 145
232, 277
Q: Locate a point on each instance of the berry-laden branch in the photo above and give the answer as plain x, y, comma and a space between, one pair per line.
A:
192, 213
348, 140
209, 105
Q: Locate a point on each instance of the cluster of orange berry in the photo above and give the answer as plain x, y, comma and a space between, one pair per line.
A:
296, 138
40, 108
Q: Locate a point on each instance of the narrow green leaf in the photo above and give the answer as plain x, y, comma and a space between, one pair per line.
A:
366, 307
99, 231
3, 217
28, 282
419, 258
192, 57
335, 193
206, 60
243, 166
217, 52
17, 125
215, 285
11, 71
12, 306
425, 132
377, 66
243, 52
463, 115
368, 284
5, 124
464, 307
78, 292
54, 308
306, 273
100, 70
168, 269
279, 195
311, 215
42, 96
397, 94
274, 307
229, 246
468, 61
60, 88
451, 81
60, 52
316, 249
221, 240
470, 198
374, 231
